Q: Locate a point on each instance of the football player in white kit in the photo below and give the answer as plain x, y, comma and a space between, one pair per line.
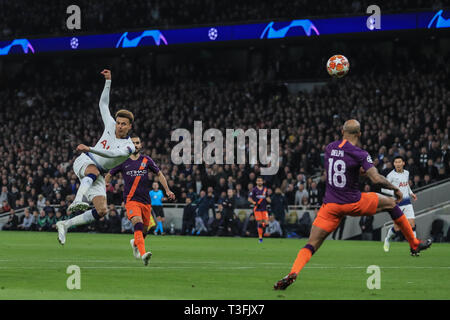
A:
113, 148
400, 178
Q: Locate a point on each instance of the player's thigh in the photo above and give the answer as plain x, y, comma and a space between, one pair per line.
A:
146, 212
385, 202
133, 210
100, 205
328, 217
81, 163
412, 222
261, 216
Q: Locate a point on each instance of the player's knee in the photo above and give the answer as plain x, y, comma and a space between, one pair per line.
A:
92, 170
390, 204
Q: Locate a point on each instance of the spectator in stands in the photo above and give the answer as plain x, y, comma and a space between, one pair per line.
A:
427, 180
290, 194
278, 205
366, 225
27, 221
48, 208
416, 183
313, 195
41, 202
241, 197
431, 170
273, 230
4, 194
5, 206
114, 223
200, 227
205, 203
300, 194
34, 223
100, 225
188, 224
13, 221
304, 225
216, 227
51, 221
228, 205
292, 227
126, 225
251, 229
42, 221
423, 160
232, 226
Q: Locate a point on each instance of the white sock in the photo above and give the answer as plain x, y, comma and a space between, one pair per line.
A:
81, 219
85, 184
390, 234
415, 235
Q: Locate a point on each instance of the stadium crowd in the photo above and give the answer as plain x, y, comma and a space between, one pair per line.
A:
48, 109
49, 17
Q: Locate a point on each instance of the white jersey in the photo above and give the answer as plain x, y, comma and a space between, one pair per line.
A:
400, 180
109, 151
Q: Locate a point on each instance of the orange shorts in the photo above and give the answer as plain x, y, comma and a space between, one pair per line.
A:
330, 214
261, 215
137, 209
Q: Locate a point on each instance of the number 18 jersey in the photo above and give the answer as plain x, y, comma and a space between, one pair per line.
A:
342, 163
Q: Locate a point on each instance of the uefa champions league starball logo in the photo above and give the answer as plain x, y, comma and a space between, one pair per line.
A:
213, 33
74, 43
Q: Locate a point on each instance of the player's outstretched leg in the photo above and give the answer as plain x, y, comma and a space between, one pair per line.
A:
87, 217
416, 245
81, 219
316, 238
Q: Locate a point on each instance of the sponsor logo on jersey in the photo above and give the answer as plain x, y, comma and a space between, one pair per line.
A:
135, 173
369, 159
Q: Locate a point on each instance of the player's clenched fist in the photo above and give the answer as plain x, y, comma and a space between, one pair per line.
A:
82, 148
171, 195
107, 74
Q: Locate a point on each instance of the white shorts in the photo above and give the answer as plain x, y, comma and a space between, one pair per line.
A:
98, 188
408, 210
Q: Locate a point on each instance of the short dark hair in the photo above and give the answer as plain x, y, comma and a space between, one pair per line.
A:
134, 135
399, 157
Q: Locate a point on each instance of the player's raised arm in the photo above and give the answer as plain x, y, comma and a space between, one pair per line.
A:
113, 153
377, 178
104, 99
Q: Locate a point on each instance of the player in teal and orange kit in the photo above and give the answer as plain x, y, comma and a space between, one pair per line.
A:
135, 171
344, 162
258, 197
